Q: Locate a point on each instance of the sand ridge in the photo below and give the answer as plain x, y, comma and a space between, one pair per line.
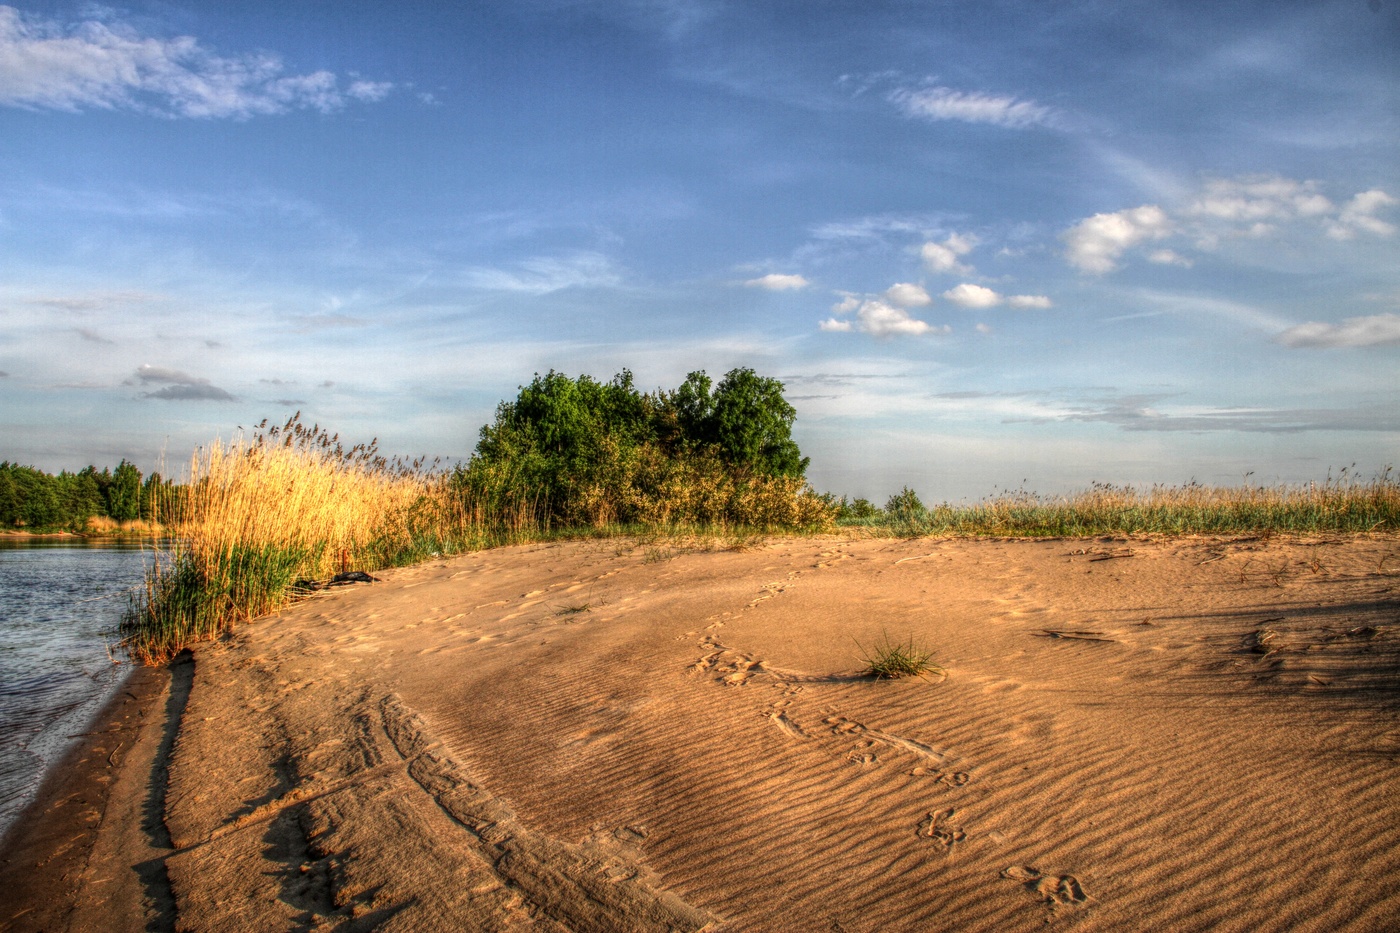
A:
1184, 733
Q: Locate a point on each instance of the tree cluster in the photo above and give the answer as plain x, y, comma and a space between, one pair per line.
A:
35, 500
585, 452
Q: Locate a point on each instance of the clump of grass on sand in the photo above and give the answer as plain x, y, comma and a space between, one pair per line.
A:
892, 659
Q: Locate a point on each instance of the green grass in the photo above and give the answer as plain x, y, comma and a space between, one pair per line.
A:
1338, 505
892, 659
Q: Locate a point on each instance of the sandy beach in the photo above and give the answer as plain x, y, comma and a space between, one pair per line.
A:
1175, 734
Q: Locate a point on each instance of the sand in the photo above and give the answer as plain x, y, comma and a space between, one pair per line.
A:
1131, 734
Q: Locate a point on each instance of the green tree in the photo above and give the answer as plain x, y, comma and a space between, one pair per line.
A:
124, 493
746, 417
10, 502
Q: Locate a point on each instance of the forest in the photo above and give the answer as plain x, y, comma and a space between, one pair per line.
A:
35, 501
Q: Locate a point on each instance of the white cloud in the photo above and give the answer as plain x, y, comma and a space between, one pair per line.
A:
881, 319
945, 103
984, 328
369, 91
846, 305
777, 282
44, 64
1095, 243
1258, 198
1167, 257
1251, 207
1376, 330
943, 257
908, 295
968, 295
1030, 302
884, 320
1359, 214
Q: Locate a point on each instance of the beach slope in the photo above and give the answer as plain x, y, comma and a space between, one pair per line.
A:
1179, 733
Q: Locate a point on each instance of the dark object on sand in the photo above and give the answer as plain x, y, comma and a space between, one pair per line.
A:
340, 579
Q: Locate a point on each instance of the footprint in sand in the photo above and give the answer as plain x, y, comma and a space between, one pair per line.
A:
732, 667
1055, 890
863, 754
950, 778
939, 827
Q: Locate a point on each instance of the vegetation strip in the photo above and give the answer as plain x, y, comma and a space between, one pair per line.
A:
255, 520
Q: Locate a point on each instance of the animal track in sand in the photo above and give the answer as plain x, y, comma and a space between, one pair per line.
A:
1055, 890
734, 668
776, 713
950, 778
938, 827
863, 754
840, 725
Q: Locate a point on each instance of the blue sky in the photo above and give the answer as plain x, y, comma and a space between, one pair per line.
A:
981, 243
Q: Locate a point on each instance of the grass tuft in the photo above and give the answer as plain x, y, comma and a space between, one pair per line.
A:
891, 659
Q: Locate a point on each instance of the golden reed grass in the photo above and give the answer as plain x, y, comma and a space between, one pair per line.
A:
256, 517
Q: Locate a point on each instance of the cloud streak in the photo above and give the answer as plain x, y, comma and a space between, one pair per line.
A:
47, 65
945, 103
1376, 330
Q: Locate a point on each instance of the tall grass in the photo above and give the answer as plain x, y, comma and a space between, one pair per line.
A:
292, 504
1343, 503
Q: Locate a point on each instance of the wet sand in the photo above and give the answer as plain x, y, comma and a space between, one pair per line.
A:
1181, 733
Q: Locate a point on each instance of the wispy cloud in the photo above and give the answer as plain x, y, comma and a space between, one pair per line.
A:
92, 336
945, 103
777, 282
93, 301
544, 274
177, 385
314, 323
1373, 331
45, 64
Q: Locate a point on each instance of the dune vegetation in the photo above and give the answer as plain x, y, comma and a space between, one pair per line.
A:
1344, 503
255, 520
257, 517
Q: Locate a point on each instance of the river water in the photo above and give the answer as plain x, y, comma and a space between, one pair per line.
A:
60, 603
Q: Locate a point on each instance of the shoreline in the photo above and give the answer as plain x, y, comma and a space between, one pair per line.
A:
95, 797
603, 735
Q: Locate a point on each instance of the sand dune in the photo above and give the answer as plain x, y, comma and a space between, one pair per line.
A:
1180, 734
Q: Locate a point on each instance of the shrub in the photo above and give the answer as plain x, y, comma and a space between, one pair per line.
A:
589, 454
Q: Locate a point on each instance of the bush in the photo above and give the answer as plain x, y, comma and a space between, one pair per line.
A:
579, 453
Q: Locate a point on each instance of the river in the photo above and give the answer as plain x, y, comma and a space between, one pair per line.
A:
61, 600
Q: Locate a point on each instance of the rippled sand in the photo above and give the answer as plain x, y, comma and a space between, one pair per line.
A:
1183, 734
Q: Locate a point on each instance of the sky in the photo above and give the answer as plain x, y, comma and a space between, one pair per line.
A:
985, 246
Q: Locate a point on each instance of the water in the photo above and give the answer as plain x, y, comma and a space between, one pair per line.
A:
60, 603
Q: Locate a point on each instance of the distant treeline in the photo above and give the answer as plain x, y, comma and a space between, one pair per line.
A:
37, 501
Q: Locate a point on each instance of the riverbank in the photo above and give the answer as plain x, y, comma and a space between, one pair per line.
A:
1164, 733
86, 853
